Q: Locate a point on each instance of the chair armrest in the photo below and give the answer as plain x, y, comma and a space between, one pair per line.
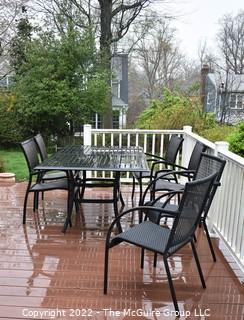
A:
154, 156
117, 219
169, 194
166, 213
173, 172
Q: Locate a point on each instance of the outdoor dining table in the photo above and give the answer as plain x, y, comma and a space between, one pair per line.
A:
78, 158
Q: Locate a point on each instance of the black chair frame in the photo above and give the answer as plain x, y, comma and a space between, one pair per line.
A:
175, 144
137, 236
195, 175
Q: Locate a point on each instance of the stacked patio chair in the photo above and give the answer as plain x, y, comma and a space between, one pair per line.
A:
38, 185
168, 162
41, 147
208, 164
161, 240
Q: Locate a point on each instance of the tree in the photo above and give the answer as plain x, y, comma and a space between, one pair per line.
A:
231, 42
19, 43
60, 82
9, 11
110, 19
159, 58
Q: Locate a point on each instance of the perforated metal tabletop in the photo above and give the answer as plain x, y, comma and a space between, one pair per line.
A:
76, 157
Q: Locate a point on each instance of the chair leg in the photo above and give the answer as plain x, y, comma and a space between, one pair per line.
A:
142, 257
155, 259
198, 264
121, 199
140, 190
115, 200
37, 201
133, 188
209, 241
194, 238
105, 279
171, 286
25, 205
34, 202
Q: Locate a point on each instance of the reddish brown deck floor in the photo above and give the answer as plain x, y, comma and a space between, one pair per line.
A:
45, 274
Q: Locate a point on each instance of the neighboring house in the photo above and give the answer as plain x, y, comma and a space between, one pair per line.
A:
5, 75
226, 100
119, 93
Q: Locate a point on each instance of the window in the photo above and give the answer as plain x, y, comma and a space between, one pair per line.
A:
96, 121
115, 119
5, 81
232, 101
240, 101
115, 89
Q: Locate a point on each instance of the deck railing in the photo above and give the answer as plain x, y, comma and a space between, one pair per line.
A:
226, 216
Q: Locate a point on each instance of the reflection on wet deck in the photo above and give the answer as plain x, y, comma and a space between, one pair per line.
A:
46, 274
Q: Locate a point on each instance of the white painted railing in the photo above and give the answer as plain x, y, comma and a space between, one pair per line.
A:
152, 141
226, 216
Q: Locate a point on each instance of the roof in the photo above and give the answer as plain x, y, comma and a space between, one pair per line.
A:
235, 82
118, 102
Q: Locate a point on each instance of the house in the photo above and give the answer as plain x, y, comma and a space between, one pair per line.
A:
225, 99
5, 74
119, 88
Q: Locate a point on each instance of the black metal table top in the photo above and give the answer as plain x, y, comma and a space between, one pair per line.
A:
77, 157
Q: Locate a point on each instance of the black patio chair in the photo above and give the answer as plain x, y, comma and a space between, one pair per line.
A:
168, 161
208, 164
165, 241
31, 155
41, 147
188, 171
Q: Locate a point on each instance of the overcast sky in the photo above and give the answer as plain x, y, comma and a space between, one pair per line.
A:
197, 20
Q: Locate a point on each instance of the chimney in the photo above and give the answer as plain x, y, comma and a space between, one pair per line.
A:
204, 72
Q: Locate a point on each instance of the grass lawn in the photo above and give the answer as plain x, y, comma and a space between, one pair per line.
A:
14, 161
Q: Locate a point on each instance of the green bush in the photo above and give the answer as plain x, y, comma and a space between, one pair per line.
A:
175, 111
236, 140
10, 131
218, 133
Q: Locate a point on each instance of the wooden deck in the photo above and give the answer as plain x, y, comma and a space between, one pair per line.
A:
45, 274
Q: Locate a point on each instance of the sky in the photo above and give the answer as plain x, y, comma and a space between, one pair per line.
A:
197, 20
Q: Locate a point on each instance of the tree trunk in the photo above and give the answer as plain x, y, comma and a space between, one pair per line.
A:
105, 51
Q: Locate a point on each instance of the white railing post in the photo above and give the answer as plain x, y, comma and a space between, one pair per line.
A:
87, 134
87, 141
214, 209
221, 146
187, 146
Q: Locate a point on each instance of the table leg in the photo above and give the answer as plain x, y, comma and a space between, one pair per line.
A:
116, 195
70, 200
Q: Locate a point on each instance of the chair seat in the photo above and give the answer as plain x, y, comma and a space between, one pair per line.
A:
147, 235
140, 175
54, 175
169, 186
45, 186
